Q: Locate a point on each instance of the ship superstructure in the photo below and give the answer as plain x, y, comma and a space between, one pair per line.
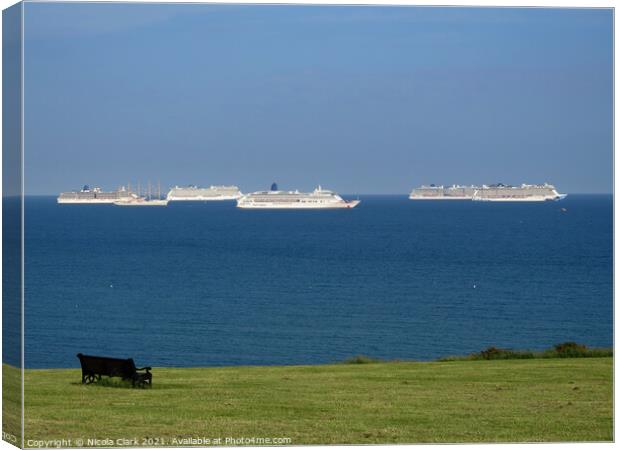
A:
96, 196
195, 193
432, 192
275, 199
523, 193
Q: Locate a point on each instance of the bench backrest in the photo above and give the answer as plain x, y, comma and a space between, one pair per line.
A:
102, 365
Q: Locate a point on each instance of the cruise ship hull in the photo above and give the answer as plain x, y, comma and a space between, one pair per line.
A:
202, 194
93, 201
413, 197
173, 198
523, 199
481, 196
142, 203
343, 205
432, 192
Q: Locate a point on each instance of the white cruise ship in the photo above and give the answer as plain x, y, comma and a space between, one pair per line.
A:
432, 192
275, 199
195, 193
523, 193
95, 196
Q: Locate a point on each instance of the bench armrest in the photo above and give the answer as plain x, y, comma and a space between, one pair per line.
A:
144, 368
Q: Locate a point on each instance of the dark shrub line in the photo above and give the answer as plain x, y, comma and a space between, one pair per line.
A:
361, 359
563, 350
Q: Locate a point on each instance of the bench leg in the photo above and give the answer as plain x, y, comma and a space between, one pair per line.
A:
141, 382
89, 378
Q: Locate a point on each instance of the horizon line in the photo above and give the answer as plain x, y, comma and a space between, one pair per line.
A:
344, 193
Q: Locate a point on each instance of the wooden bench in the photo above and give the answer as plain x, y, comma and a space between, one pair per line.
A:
94, 367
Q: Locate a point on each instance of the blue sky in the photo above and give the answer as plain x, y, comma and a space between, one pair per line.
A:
358, 99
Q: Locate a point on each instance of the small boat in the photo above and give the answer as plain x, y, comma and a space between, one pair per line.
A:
143, 201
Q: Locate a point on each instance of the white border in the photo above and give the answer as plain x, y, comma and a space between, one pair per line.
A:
452, 3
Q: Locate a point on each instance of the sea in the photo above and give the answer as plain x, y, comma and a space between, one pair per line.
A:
208, 284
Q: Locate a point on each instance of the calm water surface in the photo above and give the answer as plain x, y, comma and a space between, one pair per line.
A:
206, 284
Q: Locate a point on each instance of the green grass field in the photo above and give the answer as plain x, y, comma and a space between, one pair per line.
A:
399, 402
11, 403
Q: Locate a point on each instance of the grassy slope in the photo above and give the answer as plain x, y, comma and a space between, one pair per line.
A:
463, 401
11, 401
